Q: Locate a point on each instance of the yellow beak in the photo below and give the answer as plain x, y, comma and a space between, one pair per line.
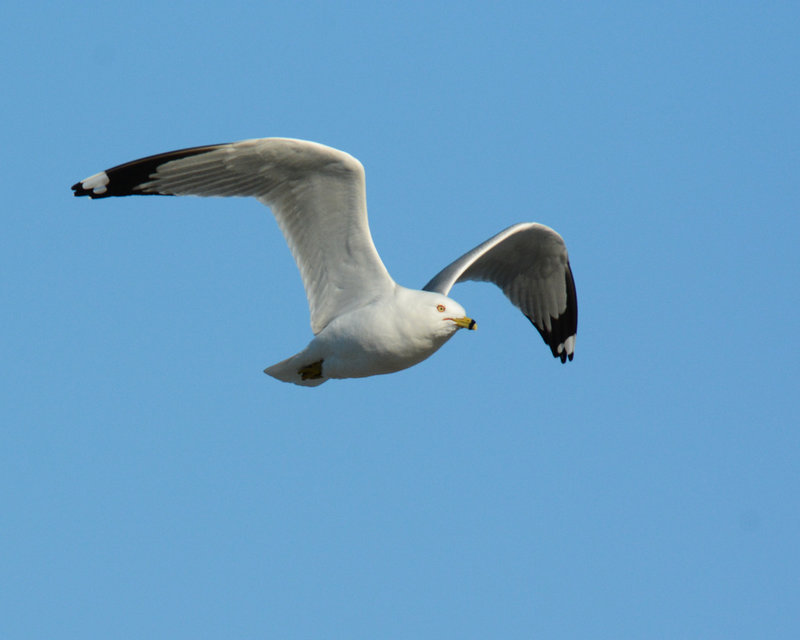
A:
465, 323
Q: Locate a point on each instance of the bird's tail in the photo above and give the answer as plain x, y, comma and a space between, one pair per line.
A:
298, 370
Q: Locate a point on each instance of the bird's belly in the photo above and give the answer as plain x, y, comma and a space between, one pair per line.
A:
358, 356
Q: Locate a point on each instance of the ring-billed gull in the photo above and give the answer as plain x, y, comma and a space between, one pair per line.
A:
363, 322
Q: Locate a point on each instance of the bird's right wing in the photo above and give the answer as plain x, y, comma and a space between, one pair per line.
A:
529, 262
317, 194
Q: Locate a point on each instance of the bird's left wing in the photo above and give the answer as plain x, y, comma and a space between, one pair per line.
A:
529, 262
316, 193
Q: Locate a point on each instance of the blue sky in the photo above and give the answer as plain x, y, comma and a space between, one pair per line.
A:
155, 483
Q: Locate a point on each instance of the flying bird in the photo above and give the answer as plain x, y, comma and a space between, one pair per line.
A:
364, 323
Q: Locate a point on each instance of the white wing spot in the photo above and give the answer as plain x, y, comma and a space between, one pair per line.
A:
97, 183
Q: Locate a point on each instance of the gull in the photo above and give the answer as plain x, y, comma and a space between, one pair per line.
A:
364, 323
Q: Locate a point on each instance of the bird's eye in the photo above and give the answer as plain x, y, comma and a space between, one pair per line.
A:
440, 307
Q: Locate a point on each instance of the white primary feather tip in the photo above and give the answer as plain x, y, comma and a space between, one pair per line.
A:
96, 183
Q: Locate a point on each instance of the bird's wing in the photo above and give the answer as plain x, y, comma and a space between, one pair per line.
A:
317, 194
529, 262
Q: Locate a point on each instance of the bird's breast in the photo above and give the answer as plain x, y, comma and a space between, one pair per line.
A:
365, 344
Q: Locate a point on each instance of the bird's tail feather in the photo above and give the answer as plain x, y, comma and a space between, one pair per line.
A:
288, 371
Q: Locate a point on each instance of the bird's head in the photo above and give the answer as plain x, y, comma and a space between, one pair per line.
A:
442, 314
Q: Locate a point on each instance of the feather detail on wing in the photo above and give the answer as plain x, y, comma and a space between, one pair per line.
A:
316, 193
529, 262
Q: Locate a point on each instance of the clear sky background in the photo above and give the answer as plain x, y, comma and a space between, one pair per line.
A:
154, 483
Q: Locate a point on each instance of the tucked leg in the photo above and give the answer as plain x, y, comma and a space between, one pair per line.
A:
311, 371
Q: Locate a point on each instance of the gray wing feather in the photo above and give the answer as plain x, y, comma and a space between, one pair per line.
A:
316, 193
529, 262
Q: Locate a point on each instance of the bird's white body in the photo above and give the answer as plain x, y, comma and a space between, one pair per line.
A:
394, 332
364, 323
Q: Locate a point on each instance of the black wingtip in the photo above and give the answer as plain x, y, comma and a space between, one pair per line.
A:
80, 191
126, 179
564, 328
